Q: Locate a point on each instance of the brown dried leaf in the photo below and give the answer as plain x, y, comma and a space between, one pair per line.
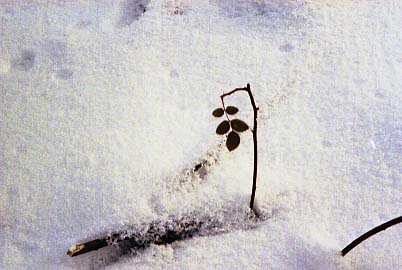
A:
223, 128
231, 110
238, 125
233, 141
218, 112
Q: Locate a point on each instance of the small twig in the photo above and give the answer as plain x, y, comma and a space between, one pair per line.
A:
254, 131
224, 109
370, 233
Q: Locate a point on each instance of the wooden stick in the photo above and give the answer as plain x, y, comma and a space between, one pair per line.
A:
86, 247
143, 236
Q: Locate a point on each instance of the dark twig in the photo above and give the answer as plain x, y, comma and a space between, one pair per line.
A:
254, 131
87, 247
370, 233
159, 233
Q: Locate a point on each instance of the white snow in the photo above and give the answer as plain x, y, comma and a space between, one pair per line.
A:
102, 106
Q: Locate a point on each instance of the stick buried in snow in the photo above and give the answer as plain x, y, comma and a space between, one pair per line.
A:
157, 232
140, 237
160, 232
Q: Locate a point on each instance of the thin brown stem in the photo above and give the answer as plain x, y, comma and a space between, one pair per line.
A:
224, 109
370, 233
254, 131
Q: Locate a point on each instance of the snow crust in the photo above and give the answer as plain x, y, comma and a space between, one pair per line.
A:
105, 103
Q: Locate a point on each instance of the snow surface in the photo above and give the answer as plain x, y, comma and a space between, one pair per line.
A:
103, 104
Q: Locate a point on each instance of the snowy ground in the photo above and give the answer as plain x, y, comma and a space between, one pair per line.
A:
102, 105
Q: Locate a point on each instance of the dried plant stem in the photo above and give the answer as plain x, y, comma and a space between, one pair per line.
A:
254, 131
370, 233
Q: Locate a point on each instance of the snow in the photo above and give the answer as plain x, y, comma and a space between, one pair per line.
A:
103, 106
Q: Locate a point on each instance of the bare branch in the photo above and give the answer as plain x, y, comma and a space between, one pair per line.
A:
370, 233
